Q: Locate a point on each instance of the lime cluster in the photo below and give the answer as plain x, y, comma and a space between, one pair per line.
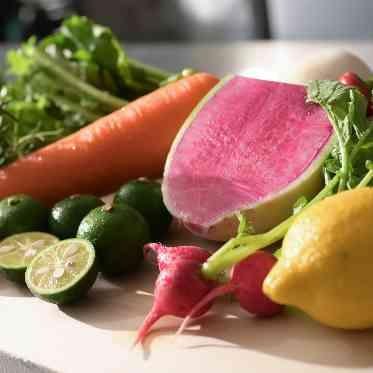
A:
58, 252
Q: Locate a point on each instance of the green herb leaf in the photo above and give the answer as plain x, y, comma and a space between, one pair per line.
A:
325, 92
346, 108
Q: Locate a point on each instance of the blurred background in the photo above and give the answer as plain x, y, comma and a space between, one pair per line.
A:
196, 20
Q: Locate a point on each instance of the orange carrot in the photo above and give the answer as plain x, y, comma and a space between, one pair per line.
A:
129, 143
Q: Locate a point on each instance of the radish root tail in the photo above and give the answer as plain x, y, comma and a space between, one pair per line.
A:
152, 317
214, 293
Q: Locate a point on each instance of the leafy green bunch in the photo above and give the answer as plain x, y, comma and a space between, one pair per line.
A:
346, 108
57, 85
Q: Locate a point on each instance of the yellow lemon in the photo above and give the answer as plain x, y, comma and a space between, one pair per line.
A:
326, 267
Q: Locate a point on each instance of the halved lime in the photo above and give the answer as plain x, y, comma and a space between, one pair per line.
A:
64, 272
17, 251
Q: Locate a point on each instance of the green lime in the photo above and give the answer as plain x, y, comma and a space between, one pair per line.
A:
17, 251
64, 272
66, 215
21, 213
118, 234
146, 197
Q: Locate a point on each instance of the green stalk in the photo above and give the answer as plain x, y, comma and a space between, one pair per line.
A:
73, 106
40, 136
149, 73
70, 79
66, 100
360, 143
366, 179
342, 147
239, 248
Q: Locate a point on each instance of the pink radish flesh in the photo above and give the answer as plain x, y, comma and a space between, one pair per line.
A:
163, 255
248, 143
179, 287
246, 284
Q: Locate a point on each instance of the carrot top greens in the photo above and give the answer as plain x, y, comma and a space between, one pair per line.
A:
57, 85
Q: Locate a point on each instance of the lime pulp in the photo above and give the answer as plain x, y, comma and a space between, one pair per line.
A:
64, 272
18, 250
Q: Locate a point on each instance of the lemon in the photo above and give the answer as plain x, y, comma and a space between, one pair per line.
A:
326, 266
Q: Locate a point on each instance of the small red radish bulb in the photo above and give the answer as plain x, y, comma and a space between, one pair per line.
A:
248, 277
246, 284
179, 286
354, 80
163, 255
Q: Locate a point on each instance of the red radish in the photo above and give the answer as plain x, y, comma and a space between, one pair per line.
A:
246, 284
248, 276
163, 255
179, 287
352, 79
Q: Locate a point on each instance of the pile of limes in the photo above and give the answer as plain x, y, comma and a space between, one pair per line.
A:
59, 252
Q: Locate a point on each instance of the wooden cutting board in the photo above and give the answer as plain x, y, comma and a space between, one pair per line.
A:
95, 336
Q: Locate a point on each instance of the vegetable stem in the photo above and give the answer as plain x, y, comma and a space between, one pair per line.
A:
54, 67
239, 248
360, 143
72, 106
151, 73
343, 150
366, 179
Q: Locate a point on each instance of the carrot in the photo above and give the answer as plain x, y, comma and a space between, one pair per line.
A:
129, 143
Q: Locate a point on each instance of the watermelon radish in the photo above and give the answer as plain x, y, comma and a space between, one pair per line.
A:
251, 146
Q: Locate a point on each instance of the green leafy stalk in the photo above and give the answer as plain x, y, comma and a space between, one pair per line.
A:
148, 73
343, 150
242, 246
67, 104
346, 108
365, 181
70, 79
